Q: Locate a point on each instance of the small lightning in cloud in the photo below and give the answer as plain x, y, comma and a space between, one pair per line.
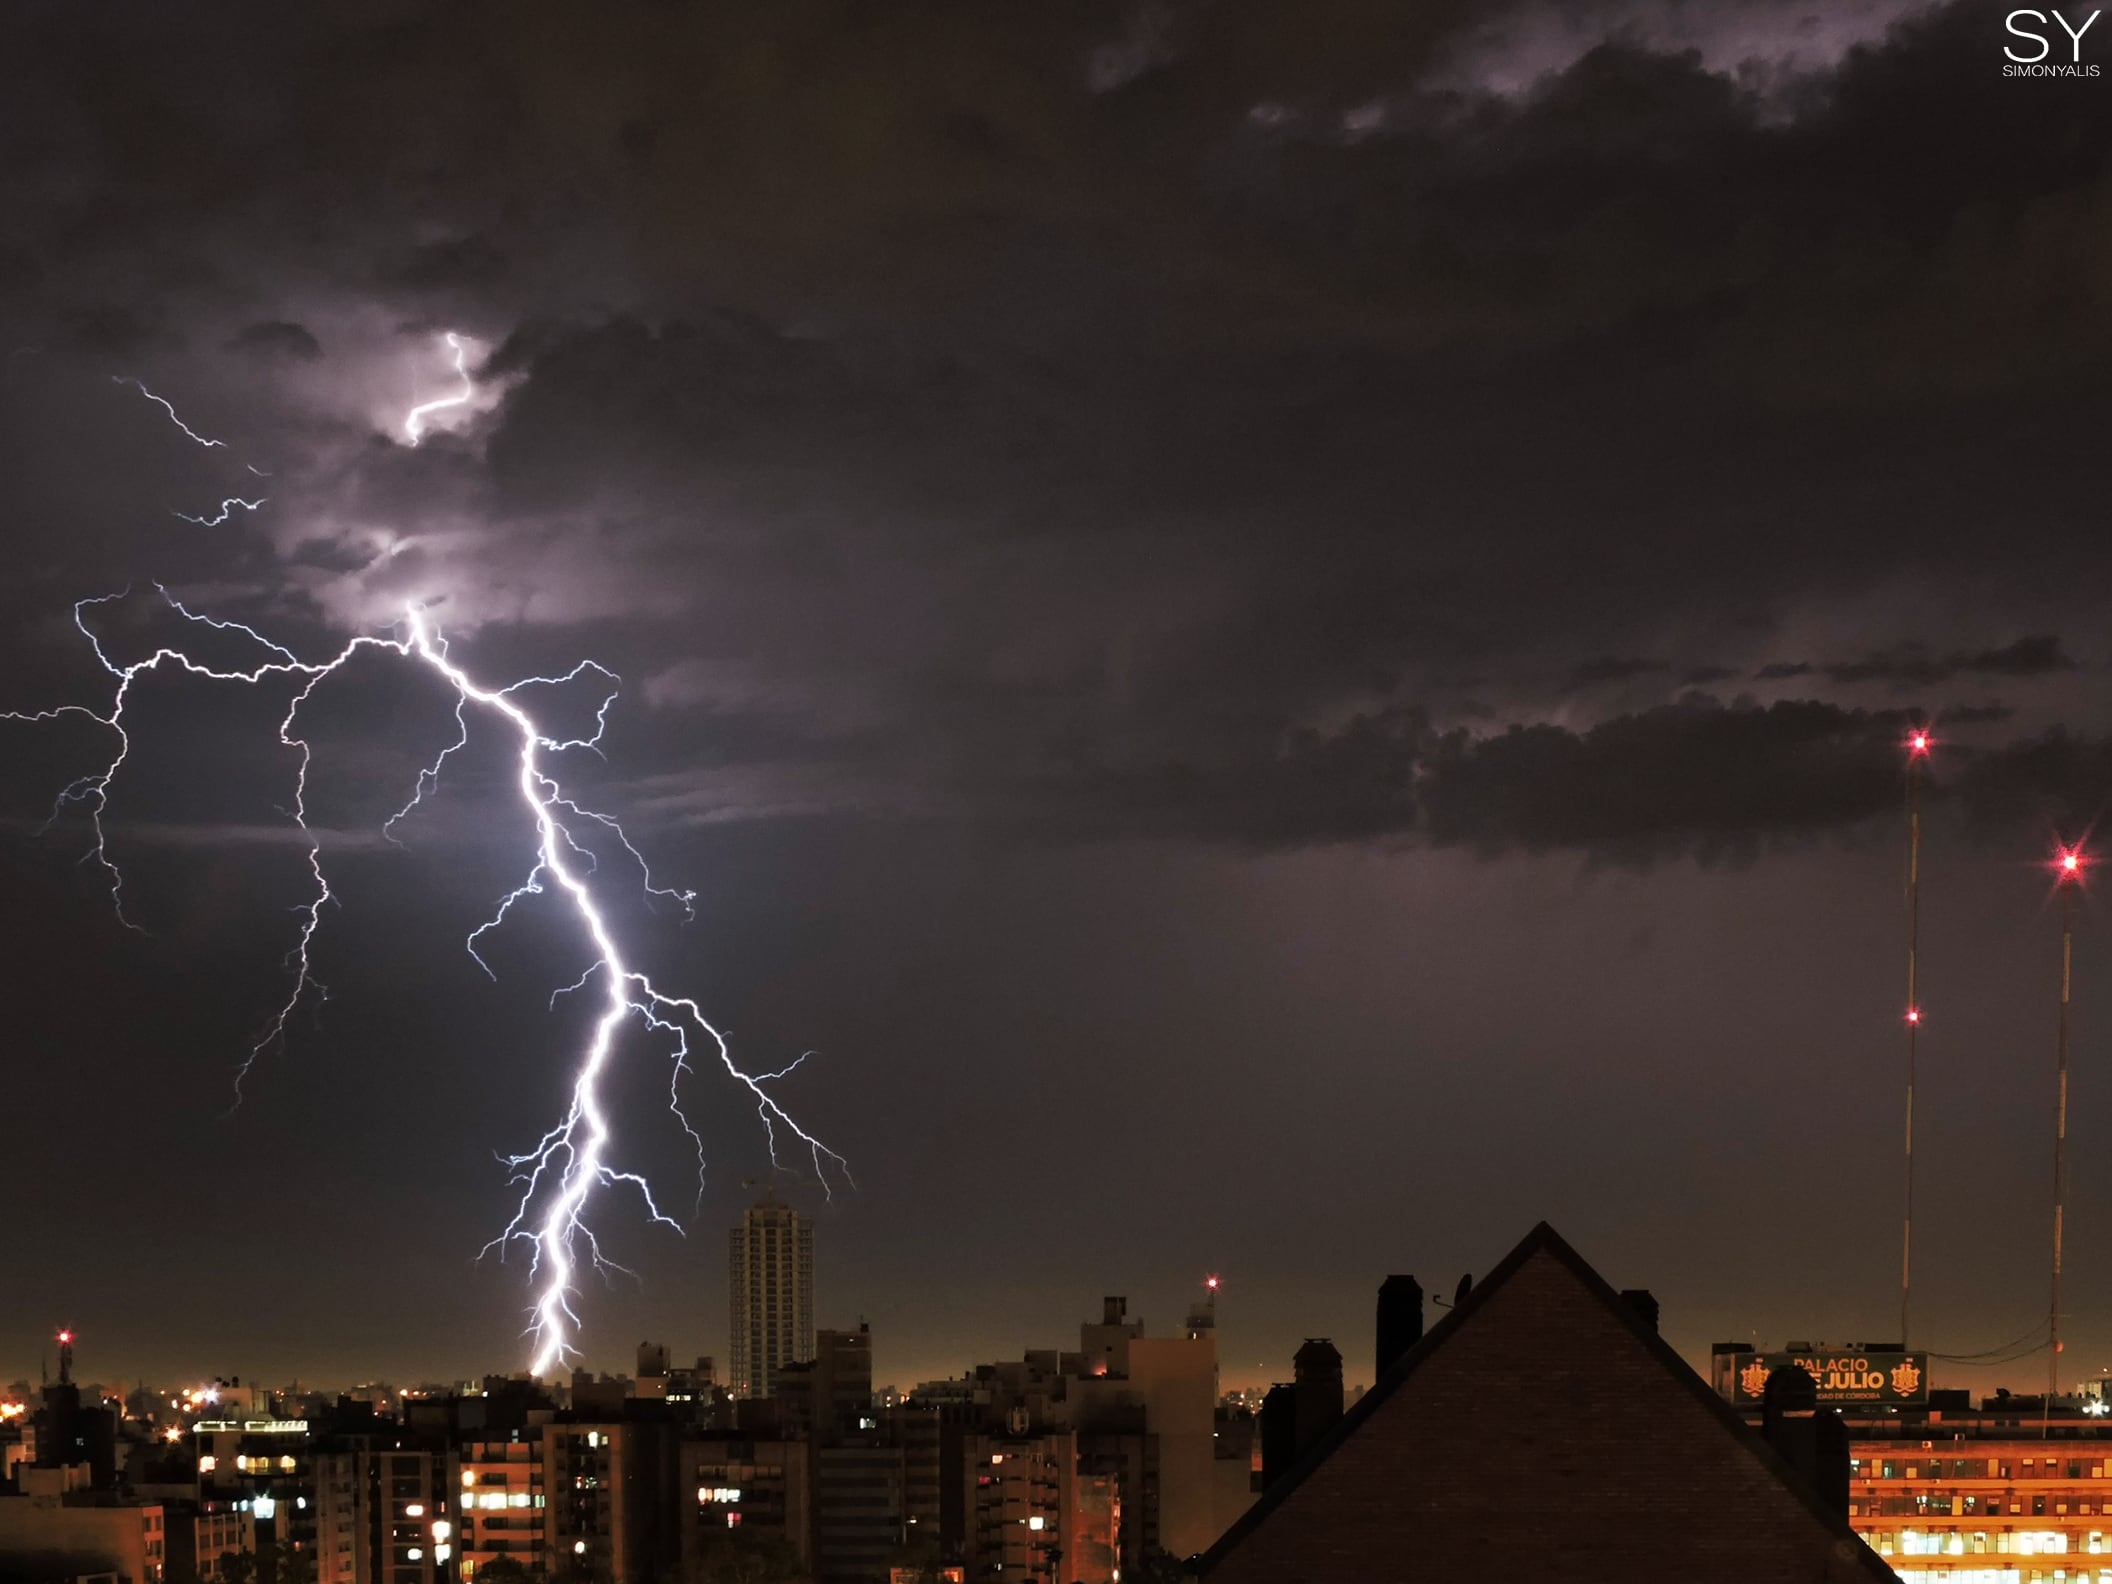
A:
227, 510
414, 425
163, 403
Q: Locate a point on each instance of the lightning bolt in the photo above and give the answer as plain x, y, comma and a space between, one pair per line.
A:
414, 420
163, 404
227, 510
557, 1179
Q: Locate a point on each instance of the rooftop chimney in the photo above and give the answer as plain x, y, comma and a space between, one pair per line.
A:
1316, 1387
1400, 1318
1810, 1439
1644, 1306
1279, 1433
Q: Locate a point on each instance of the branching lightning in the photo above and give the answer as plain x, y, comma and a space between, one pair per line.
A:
556, 1178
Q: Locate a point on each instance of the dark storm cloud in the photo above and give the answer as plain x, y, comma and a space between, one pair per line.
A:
1719, 781
1079, 420
276, 338
1612, 668
2058, 785
2037, 656
1912, 665
1702, 779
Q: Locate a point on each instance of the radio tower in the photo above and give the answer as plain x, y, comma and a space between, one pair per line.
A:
1917, 756
2067, 878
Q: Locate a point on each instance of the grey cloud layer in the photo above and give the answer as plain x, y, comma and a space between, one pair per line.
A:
1173, 421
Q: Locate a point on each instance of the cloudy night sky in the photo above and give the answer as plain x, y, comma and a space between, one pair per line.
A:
1280, 634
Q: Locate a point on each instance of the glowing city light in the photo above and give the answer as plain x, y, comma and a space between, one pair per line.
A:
558, 1176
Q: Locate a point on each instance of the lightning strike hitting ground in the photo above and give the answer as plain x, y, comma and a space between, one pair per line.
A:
557, 1178
414, 421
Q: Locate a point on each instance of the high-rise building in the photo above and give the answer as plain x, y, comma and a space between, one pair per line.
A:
384, 1517
610, 1488
772, 1292
501, 1506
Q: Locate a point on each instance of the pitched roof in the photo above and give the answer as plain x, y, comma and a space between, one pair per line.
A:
1598, 1453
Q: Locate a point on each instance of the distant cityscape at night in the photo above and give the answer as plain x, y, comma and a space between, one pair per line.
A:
1119, 1458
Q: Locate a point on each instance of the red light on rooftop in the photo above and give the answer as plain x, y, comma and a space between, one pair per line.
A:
1913, 1014
1210, 1282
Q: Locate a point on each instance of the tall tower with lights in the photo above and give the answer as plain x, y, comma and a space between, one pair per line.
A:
771, 1285
2068, 866
1917, 757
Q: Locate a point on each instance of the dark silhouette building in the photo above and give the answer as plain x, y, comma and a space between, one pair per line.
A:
1542, 1426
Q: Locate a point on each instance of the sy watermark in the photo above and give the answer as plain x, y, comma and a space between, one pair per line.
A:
2042, 38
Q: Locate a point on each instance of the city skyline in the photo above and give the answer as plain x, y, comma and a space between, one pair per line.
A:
1268, 645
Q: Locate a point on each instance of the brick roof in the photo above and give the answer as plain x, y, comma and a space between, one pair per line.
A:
1542, 1429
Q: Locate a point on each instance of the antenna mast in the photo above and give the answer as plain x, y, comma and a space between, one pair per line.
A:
1917, 754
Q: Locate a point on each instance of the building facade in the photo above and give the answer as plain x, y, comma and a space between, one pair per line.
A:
384, 1516
502, 1505
736, 1487
1985, 1497
771, 1291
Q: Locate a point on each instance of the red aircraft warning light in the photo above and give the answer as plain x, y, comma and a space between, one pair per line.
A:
1210, 1282
1918, 743
2069, 864
65, 1336
1913, 1014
